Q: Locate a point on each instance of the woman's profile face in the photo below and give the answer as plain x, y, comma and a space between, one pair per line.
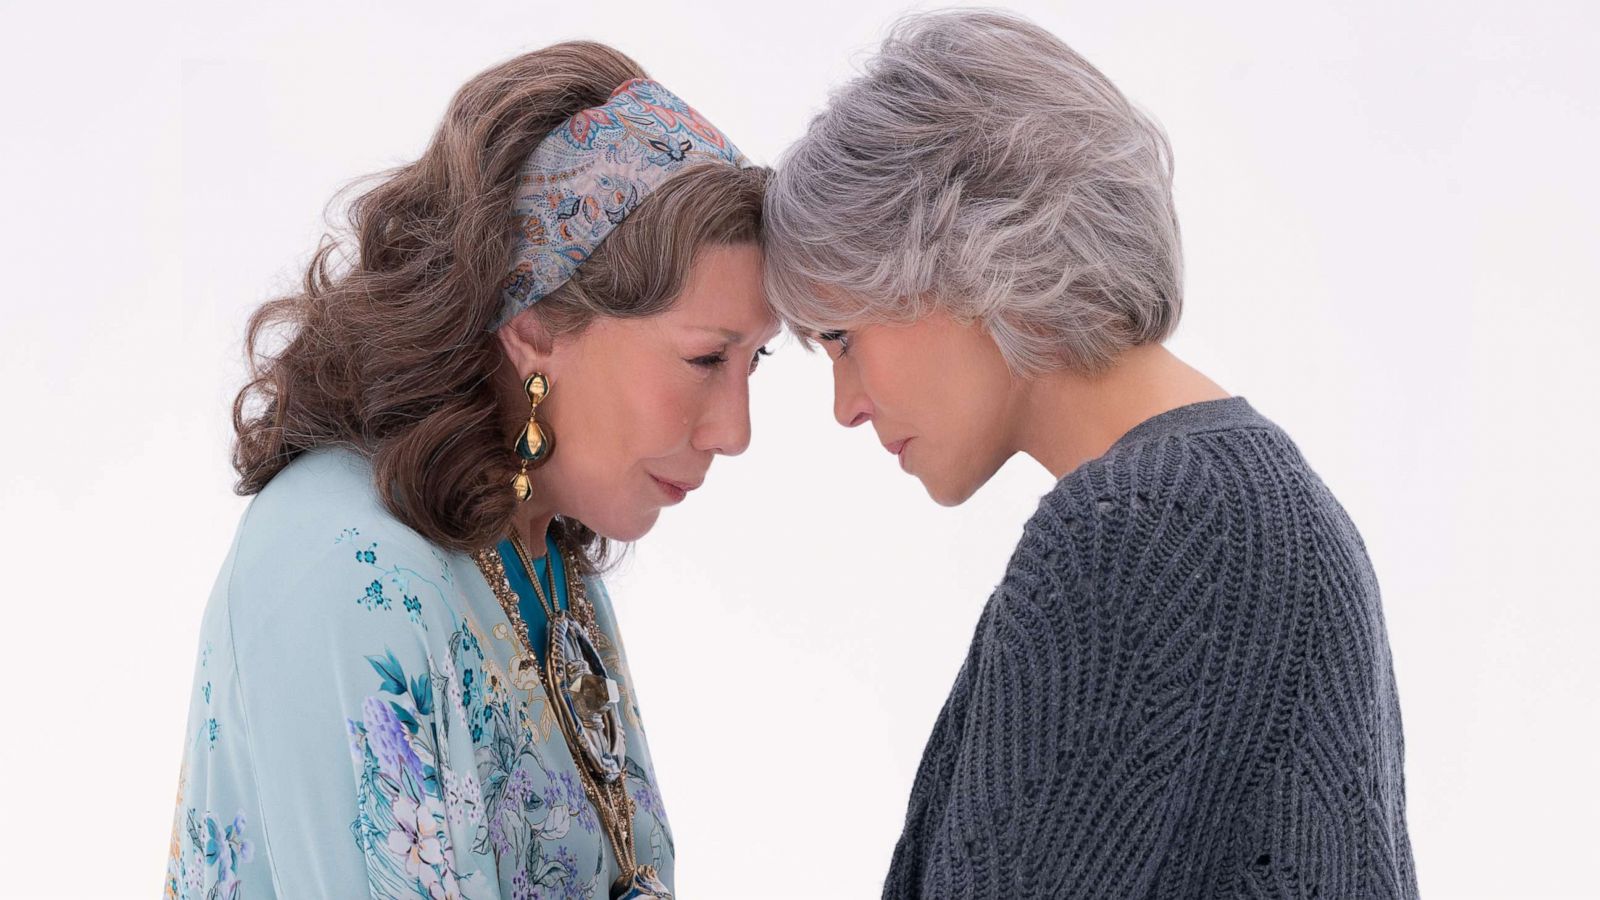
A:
937, 392
640, 407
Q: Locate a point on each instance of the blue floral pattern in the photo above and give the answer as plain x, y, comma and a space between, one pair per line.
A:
461, 783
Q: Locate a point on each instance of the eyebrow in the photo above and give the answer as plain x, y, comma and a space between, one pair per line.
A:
732, 336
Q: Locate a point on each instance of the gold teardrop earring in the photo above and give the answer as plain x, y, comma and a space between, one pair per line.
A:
534, 444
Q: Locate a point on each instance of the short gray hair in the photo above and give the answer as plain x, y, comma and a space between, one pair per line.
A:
981, 166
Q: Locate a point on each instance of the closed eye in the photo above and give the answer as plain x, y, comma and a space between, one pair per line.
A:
842, 338
717, 360
756, 360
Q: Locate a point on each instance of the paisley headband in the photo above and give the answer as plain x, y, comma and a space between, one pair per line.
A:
587, 175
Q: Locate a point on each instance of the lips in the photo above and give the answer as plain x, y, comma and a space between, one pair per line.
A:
897, 446
675, 490
685, 486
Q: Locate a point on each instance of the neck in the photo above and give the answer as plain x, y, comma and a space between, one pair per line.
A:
530, 523
1070, 418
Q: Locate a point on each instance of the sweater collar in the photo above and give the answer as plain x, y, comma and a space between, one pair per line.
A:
1196, 418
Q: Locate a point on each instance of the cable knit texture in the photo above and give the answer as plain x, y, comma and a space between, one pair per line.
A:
1181, 689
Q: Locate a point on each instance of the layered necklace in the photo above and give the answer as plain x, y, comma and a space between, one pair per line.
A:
587, 702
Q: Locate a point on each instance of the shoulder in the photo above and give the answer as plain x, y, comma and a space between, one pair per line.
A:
1103, 518
318, 555
1114, 580
323, 491
1124, 551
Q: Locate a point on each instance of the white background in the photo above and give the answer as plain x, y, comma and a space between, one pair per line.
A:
1390, 228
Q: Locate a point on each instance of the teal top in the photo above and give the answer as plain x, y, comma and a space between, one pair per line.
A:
527, 599
354, 729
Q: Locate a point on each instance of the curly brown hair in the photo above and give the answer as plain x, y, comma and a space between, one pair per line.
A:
388, 350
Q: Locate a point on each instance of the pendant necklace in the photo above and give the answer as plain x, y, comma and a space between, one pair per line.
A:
587, 702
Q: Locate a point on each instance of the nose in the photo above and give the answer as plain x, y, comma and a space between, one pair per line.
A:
851, 406
725, 427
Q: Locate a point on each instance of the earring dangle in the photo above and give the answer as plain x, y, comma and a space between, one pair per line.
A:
534, 444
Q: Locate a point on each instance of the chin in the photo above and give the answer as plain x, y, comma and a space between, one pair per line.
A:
946, 497
627, 528
943, 493
955, 490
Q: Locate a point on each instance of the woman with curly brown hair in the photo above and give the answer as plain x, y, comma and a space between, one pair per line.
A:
410, 680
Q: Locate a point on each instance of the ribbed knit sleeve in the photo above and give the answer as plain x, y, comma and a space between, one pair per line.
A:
1180, 689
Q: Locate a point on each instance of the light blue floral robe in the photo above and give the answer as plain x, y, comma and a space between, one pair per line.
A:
352, 730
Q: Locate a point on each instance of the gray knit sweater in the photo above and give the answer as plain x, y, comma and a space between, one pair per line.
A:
1181, 689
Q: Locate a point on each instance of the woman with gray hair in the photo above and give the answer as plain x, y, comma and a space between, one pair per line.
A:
1182, 686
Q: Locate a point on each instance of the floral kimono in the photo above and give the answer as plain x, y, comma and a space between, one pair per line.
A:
353, 732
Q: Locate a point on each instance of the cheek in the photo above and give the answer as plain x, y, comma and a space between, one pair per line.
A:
634, 427
609, 432
953, 397
659, 412
892, 382
913, 392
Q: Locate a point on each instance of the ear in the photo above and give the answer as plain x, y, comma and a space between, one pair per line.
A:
527, 344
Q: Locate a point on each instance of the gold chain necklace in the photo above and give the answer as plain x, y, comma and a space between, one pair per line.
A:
549, 603
586, 699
